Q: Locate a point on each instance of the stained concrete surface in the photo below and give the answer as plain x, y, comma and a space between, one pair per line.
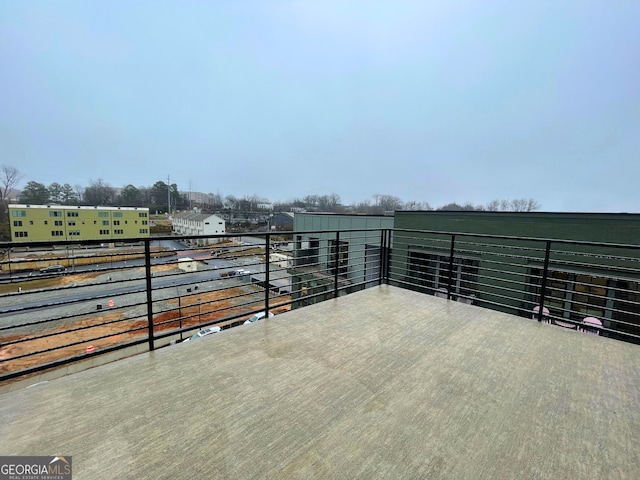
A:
383, 383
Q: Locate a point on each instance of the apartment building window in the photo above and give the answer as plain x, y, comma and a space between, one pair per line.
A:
103, 214
105, 222
145, 222
307, 251
18, 213
55, 213
590, 295
144, 230
421, 269
142, 214
72, 214
57, 233
339, 254
570, 295
104, 232
117, 214
46, 222
74, 233
116, 222
17, 223
71, 223
21, 234
433, 272
118, 231
58, 223
627, 307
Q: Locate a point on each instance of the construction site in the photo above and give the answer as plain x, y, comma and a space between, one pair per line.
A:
81, 318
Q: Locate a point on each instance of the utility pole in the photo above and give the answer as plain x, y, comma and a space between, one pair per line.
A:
168, 196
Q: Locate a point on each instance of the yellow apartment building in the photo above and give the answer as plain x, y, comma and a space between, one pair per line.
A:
37, 223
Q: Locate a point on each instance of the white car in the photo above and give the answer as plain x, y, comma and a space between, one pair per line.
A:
203, 332
256, 317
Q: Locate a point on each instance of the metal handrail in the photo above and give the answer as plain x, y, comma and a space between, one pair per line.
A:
492, 283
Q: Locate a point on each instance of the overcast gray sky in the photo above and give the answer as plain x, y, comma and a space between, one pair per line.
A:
435, 101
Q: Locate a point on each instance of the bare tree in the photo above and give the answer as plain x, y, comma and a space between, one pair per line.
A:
311, 200
363, 207
328, 203
387, 203
493, 206
515, 205
524, 205
99, 193
9, 178
79, 189
417, 206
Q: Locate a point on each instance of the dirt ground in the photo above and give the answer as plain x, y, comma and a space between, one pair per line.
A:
112, 328
27, 261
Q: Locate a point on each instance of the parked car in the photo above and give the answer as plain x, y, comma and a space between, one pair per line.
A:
256, 317
203, 332
53, 269
232, 273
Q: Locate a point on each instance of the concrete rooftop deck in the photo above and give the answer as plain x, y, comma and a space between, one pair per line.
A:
384, 383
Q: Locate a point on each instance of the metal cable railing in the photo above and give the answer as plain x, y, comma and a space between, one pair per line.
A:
64, 302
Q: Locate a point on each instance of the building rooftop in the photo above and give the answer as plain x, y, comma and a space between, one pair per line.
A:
76, 207
382, 383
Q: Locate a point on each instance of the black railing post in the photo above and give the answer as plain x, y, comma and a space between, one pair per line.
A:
267, 263
543, 287
383, 255
335, 264
453, 243
147, 265
387, 256
180, 313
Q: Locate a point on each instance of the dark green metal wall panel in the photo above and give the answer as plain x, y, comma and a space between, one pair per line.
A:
593, 227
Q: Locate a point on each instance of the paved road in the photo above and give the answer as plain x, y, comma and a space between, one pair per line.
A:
15, 307
179, 248
134, 286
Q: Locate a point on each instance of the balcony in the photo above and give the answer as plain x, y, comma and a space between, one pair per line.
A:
385, 381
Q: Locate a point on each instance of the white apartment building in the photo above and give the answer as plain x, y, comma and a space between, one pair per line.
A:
196, 223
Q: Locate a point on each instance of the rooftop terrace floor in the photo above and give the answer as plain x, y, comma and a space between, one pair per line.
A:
383, 383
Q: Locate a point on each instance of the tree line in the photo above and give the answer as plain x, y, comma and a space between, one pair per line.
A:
162, 197
380, 204
156, 197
